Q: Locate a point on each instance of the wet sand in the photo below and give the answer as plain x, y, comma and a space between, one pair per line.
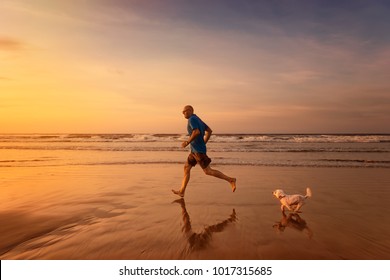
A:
129, 212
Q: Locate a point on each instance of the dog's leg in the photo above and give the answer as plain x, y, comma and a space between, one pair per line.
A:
298, 207
289, 207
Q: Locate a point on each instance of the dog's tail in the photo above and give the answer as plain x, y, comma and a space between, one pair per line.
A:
308, 193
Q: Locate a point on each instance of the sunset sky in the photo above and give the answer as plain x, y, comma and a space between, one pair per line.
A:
117, 66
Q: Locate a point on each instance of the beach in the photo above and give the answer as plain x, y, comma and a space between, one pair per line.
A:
129, 212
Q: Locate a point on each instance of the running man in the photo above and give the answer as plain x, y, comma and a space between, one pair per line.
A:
199, 133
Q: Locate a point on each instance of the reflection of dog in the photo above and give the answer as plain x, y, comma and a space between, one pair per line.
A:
294, 221
292, 202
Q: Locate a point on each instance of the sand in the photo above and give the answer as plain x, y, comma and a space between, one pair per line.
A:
129, 212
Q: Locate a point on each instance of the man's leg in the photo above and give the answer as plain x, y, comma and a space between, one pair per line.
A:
186, 179
216, 173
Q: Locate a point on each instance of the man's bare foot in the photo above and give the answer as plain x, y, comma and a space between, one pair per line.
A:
233, 184
178, 193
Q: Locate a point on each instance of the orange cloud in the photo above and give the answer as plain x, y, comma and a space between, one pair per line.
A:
10, 44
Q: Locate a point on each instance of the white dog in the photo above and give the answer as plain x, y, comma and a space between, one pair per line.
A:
292, 202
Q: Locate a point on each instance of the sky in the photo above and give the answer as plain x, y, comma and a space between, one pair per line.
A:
246, 66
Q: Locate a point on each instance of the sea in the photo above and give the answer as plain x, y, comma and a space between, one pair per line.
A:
287, 150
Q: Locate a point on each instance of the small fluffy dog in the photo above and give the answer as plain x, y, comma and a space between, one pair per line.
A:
292, 202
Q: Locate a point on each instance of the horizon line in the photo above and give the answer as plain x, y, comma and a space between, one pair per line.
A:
179, 133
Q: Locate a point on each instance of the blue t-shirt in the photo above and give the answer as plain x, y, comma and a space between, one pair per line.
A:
197, 145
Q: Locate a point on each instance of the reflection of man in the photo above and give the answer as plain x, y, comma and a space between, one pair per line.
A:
201, 240
294, 221
199, 135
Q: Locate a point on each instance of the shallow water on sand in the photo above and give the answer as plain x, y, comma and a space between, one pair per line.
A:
129, 212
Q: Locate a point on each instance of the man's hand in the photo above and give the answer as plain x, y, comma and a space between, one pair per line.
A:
195, 133
207, 134
184, 144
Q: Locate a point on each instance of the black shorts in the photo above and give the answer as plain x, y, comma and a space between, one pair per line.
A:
202, 159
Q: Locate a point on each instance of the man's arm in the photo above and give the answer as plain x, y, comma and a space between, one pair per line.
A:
207, 134
195, 133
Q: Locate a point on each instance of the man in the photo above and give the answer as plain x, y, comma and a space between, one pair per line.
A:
199, 133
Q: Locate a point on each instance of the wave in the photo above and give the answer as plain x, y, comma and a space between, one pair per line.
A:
358, 161
220, 149
29, 150
315, 164
222, 138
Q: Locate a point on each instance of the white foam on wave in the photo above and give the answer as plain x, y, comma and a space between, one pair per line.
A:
223, 138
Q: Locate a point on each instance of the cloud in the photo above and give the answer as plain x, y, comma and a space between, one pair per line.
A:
300, 76
5, 78
10, 44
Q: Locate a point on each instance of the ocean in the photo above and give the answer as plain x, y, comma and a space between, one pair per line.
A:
287, 150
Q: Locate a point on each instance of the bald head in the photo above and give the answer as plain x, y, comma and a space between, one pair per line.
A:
188, 111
